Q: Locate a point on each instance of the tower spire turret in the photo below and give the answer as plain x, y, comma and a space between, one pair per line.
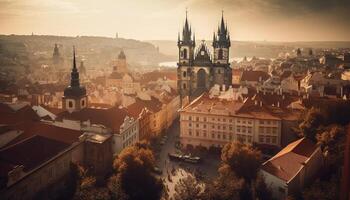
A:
74, 97
74, 82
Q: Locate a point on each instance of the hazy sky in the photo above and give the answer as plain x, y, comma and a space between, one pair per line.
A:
272, 20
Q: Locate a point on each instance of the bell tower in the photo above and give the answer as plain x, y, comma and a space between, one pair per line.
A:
186, 45
221, 43
74, 98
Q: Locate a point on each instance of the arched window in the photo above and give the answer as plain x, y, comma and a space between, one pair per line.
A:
70, 104
220, 54
184, 74
185, 53
184, 86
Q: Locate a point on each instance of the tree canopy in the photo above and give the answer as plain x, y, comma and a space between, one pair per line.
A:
242, 159
134, 179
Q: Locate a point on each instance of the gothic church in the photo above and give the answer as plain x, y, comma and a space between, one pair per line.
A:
198, 70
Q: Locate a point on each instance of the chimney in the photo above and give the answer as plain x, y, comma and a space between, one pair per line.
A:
278, 104
260, 103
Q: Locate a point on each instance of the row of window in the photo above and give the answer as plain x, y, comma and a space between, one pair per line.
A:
220, 136
204, 119
130, 141
268, 130
268, 122
223, 136
267, 139
129, 132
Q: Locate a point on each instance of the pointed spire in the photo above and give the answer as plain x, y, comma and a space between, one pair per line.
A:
74, 82
74, 62
222, 26
187, 30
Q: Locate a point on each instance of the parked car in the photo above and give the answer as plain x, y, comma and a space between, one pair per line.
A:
190, 159
175, 156
157, 170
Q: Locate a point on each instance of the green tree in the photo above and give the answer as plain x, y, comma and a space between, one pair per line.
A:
134, 179
242, 159
188, 188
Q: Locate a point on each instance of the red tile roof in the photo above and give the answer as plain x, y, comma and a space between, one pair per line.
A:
10, 116
287, 163
250, 75
111, 118
31, 129
155, 75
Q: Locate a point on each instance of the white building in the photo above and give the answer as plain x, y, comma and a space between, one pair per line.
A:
292, 168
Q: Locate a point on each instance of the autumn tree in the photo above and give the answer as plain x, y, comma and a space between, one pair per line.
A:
242, 159
311, 123
133, 179
226, 186
188, 188
323, 190
86, 187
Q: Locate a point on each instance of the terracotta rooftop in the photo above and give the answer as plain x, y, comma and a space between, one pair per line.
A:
111, 118
8, 115
286, 164
42, 129
250, 75
155, 75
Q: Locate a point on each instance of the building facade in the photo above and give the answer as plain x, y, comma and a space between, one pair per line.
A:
198, 70
213, 122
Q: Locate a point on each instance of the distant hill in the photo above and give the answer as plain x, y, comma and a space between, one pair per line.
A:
253, 48
96, 51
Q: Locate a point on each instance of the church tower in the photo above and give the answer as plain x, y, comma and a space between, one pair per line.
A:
221, 44
74, 98
121, 63
57, 60
221, 72
186, 45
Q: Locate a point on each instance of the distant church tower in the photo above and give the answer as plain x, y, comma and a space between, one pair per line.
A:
56, 57
120, 65
74, 98
198, 71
